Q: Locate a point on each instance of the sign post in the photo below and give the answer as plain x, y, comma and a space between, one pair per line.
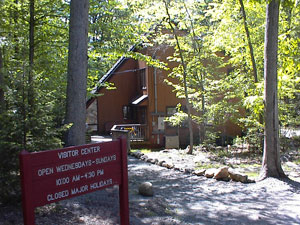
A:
54, 175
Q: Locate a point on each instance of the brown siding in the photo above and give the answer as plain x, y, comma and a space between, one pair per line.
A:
111, 103
128, 87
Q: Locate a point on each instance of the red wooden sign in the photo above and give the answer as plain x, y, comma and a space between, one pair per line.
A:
54, 175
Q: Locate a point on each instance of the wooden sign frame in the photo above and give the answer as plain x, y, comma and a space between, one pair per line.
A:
54, 175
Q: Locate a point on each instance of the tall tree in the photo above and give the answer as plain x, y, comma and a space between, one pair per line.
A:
31, 56
199, 75
77, 72
184, 71
271, 165
1, 85
249, 41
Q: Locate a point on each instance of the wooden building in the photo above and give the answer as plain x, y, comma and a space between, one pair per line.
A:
140, 102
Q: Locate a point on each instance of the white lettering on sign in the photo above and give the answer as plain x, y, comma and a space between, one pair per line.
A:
61, 181
100, 172
58, 195
89, 175
90, 150
76, 178
100, 184
73, 166
67, 154
106, 159
79, 190
45, 171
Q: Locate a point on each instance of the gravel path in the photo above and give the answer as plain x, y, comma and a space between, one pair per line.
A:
179, 198
187, 199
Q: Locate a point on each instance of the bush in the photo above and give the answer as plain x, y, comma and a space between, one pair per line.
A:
41, 136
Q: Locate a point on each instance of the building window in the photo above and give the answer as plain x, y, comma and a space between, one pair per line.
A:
143, 83
171, 110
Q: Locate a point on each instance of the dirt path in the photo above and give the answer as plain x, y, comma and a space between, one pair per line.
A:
179, 198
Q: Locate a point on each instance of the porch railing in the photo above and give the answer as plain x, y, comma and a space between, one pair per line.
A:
137, 132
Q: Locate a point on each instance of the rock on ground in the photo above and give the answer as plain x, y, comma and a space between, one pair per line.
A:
146, 189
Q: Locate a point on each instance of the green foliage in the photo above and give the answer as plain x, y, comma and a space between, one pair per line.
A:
148, 59
228, 35
289, 65
212, 38
210, 139
112, 31
40, 127
213, 92
219, 70
177, 119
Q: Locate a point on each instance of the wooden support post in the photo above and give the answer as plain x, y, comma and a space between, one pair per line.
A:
123, 188
25, 169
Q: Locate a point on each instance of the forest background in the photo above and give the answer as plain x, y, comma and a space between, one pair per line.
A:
34, 57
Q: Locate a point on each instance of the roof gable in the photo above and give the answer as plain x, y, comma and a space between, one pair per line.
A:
106, 77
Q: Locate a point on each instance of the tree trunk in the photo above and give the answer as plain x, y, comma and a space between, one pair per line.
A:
77, 72
203, 123
254, 68
188, 105
202, 131
249, 42
271, 165
1, 85
190, 124
31, 58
